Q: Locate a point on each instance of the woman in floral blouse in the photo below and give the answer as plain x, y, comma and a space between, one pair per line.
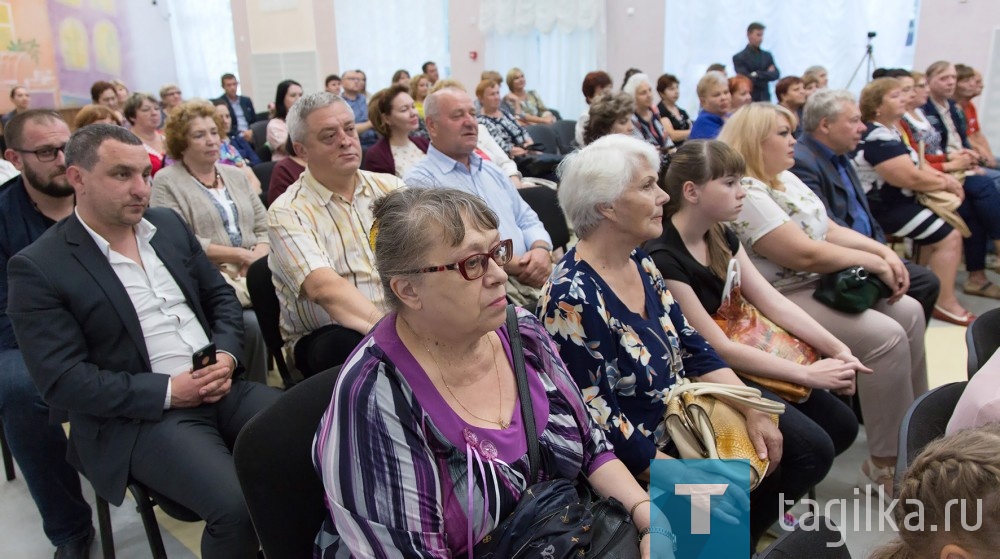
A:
619, 330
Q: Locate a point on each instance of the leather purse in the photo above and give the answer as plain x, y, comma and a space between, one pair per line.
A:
703, 424
852, 291
744, 324
555, 518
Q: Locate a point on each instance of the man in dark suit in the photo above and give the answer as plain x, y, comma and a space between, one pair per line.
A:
756, 64
832, 128
108, 307
240, 108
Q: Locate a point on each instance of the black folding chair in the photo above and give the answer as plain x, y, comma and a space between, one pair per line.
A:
925, 421
263, 173
982, 338
145, 500
545, 202
273, 456
544, 134
268, 310
8, 460
824, 542
566, 135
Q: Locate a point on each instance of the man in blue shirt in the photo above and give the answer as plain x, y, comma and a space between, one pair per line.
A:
354, 94
756, 63
451, 162
29, 205
832, 128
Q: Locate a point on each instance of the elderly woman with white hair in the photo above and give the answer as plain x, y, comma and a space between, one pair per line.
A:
646, 123
716, 101
619, 330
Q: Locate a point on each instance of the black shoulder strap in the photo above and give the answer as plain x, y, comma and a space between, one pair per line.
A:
527, 413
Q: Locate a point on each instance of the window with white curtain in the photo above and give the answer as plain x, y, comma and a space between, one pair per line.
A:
799, 34
554, 42
382, 36
204, 45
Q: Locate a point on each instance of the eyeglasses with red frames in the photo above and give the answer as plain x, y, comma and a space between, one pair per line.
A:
474, 267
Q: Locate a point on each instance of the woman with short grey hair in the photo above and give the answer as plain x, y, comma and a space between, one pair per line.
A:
616, 325
432, 397
646, 122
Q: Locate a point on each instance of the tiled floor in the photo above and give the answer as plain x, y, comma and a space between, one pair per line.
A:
21, 534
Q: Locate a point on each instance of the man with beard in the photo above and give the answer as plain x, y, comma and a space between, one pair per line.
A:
30, 204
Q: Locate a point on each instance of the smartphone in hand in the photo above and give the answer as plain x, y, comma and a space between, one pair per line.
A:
203, 357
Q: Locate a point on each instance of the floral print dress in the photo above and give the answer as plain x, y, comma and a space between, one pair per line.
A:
624, 364
765, 209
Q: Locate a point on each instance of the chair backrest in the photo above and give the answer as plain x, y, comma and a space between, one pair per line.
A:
566, 135
811, 542
982, 339
268, 310
544, 134
925, 421
273, 456
259, 130
263, 172
545, 202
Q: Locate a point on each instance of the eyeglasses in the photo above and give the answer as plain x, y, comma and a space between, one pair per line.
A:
45, 154
474, 267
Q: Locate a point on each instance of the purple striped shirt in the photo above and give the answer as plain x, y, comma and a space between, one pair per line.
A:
394, 456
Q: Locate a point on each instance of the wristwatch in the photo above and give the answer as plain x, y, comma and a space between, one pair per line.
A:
659, 530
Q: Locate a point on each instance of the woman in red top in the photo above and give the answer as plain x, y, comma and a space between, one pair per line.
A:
968, 87
143, 113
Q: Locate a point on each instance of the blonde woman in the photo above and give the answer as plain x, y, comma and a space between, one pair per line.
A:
961, 469
527, 106
786, 231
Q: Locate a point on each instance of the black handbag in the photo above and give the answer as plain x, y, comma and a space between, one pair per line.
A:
852, 291
555, 518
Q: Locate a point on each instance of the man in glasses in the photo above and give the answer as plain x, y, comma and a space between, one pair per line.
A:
323, 265
30, 204
451, 161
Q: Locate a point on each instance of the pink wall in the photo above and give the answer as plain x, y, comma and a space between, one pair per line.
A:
635, 37
956, 30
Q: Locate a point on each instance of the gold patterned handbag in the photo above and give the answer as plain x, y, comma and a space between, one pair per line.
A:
744, 323
703, 424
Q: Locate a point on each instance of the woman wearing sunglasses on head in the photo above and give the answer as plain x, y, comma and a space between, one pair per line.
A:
431, 396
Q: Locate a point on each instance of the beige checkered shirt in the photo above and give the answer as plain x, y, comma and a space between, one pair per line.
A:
310, 227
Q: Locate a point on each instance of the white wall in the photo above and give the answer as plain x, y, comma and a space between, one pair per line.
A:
151, 63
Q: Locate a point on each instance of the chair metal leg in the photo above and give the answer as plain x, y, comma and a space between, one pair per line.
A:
107, 533
8, 460
144, 506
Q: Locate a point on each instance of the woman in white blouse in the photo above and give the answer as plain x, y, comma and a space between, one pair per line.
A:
789, 237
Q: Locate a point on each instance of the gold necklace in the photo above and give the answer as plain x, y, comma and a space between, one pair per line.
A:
499, 420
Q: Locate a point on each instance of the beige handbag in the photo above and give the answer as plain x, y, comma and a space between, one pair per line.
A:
703, 424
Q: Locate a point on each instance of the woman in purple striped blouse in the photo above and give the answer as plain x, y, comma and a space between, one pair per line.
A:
422, 451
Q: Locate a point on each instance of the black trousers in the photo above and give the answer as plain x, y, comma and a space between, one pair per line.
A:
187, 457
325, 348
924, 287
